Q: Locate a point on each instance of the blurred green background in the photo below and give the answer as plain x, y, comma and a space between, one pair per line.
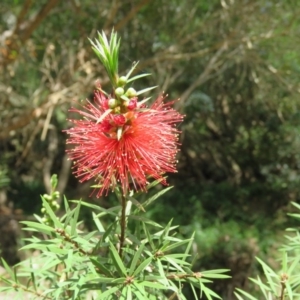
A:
235, 65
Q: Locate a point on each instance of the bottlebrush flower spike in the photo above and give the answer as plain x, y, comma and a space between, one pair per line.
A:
147, 148
126, 143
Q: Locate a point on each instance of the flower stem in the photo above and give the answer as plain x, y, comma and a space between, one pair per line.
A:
123, 224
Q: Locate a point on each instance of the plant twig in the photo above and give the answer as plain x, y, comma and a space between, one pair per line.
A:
284, 278
68, 239
27, 290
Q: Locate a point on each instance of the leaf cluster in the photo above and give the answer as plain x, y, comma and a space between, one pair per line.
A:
284, 283
75, 264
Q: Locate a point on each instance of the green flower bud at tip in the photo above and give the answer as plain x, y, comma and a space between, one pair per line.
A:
47, 197
112, 103
122, 81
131, 92
119, 91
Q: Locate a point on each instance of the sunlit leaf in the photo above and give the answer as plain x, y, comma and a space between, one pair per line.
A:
118, 263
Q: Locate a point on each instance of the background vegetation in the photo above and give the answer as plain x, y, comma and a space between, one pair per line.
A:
235, 65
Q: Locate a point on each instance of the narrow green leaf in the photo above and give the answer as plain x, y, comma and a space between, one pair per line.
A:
165, 232
173, 263
140, 103
289, 291
146, 90
168, 238
205, 291
176, 261
16, 280
131, 70
67, 218
66, 203
153, 183
149, 237
175, 245
53, 181
215, 273
161, 272
215, 276
261, 285
110, 211
7, 268
124, 291
140, 293
142, 266
98, 223
138, 77
108, 231
144, 220
296, 205
51, 214
39, 227
238, 296
74, 220
180, 256
108, 292
152, 277
245, 294
127, 292
98, 280
293, 265
100, 266
194, 292
5, 288
284, 262
69, 261
154, 285
188, 248
117, 260
137, 204
269, 273
156, 196
136, 258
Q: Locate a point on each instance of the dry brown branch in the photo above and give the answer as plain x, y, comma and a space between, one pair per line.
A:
29, 144
131, 14
204, 75
62, 96
112, 14
26, 6
40, 16
171, 79
23, 31
20, 123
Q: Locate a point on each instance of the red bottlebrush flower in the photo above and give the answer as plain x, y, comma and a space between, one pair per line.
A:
146, 148
132, 103
106, 125
100, 97
119, 120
